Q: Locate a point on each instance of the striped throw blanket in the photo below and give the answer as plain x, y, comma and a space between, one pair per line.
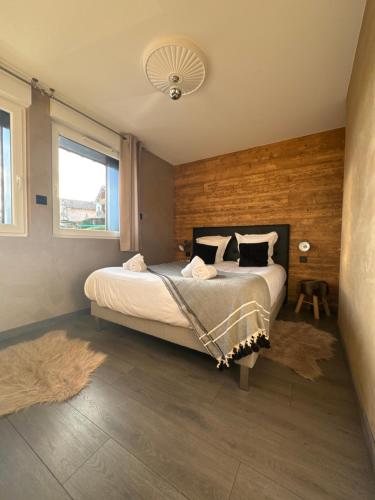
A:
229, 314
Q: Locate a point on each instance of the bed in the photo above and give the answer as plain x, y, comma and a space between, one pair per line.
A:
120, 297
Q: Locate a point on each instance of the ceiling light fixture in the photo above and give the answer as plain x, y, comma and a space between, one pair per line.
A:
174, 66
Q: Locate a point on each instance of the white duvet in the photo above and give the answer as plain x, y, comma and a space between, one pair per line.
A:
144, 295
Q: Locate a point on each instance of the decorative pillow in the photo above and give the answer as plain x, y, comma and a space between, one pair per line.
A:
270, 238
253, 254
220, 241
205, 252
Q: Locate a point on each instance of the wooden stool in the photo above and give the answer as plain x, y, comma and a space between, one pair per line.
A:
316, 291
323, 292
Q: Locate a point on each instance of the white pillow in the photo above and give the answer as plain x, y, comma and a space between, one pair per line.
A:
270, 238
221, 242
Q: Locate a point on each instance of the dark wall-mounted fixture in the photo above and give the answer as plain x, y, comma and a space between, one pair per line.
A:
186, 248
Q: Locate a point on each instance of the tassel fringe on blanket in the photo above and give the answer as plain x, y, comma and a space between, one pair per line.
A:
252, 344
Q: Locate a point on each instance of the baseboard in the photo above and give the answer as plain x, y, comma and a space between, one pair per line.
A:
46, 323
369, 437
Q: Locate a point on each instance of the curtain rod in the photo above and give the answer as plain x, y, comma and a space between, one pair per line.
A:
34, 83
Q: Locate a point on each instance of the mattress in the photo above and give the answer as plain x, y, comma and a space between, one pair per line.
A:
144, 295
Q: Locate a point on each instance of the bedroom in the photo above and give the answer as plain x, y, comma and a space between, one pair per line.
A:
145, 146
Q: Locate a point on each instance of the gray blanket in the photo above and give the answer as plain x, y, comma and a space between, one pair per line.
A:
230, 313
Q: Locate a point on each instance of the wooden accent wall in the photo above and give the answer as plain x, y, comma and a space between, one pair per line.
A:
297, 182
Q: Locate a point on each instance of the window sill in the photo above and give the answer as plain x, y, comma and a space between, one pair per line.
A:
15, 235
13, 231
99, 235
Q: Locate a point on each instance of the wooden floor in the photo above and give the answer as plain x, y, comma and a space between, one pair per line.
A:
159, 422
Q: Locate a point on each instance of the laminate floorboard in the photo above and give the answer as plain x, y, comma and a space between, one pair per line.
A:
309, 469
22, 475
252, 485
113, 473
60, 435
193, 467
159, 421
192, 370
112, 369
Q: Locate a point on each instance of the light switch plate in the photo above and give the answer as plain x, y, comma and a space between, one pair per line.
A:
41, 199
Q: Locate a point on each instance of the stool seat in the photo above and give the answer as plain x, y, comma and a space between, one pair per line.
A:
309, 287
313, 292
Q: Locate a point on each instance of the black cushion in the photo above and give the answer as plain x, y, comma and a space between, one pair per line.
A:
231, 252
253, 254
205, 252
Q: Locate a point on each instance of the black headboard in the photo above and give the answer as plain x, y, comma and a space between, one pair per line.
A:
281, 248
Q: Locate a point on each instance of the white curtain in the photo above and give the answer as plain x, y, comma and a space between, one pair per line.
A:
129, 193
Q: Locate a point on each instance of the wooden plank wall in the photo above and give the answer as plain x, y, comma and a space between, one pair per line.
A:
298, 182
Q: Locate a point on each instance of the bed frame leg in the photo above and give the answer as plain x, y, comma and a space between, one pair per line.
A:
98, 323
244, 377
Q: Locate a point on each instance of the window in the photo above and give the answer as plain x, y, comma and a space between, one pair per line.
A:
5, 169
86, 186
12, 170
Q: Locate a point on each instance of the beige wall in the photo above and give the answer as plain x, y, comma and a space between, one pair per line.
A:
42, 276
157, 208
357, 274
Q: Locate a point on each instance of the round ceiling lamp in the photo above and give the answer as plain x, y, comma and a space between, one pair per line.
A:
174, 66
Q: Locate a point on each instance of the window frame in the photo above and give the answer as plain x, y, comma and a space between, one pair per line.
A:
18, 168
62, 130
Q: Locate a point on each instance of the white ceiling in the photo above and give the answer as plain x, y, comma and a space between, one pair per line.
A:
276, 68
